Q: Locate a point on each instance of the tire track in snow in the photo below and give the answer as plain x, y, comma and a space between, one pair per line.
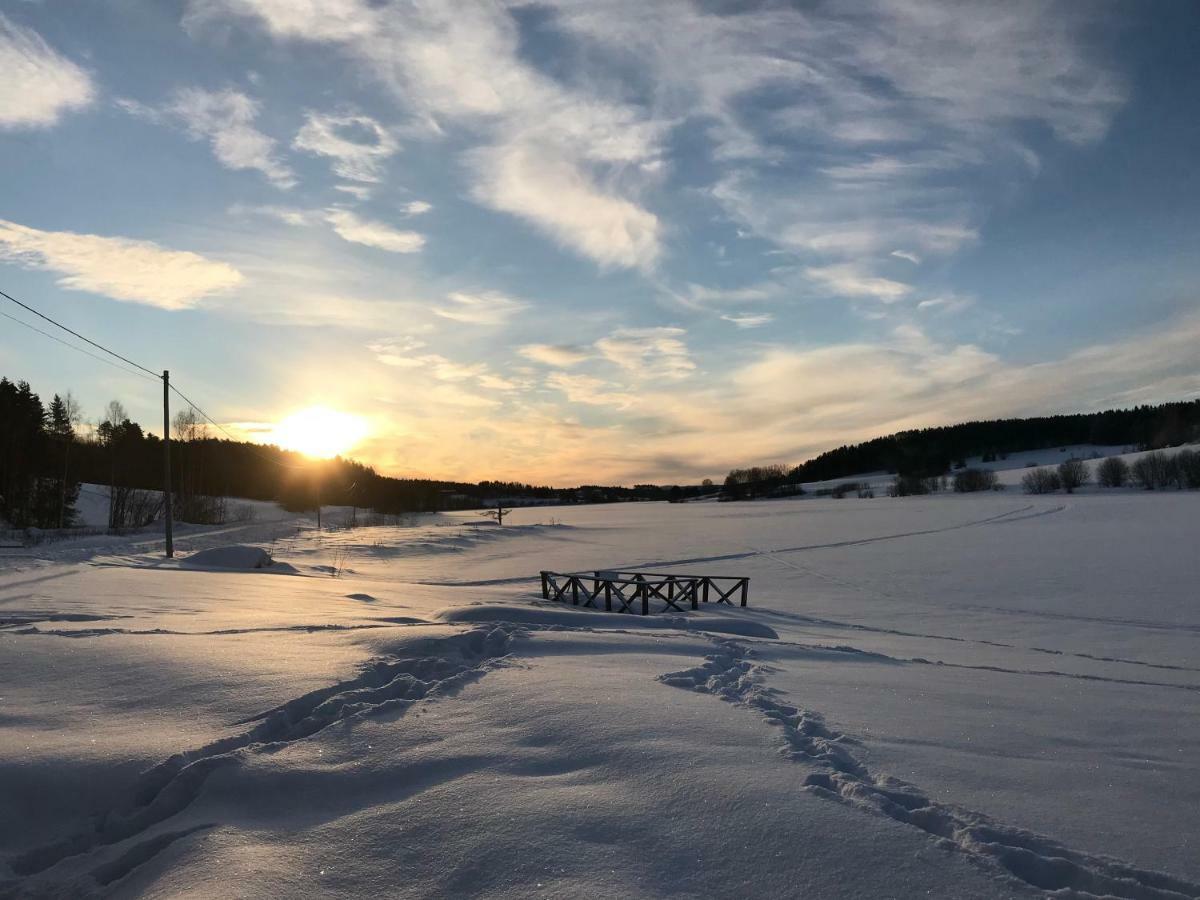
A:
384, 686
1028, 858
856, 542
868, 589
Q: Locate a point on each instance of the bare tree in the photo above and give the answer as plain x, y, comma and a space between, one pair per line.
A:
968, 481
1113, 472
1073, 473
1041, 481
498, 513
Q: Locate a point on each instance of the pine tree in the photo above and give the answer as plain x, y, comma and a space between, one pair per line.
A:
61, 431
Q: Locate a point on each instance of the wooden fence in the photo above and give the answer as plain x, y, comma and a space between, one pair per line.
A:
633, 591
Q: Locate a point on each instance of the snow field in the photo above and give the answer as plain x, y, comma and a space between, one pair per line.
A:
974, 695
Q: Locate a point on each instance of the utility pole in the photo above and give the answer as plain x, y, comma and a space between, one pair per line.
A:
166, 376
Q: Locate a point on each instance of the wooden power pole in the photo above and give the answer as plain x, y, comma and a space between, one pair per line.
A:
166, 377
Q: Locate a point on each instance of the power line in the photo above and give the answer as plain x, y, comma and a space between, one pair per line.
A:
78, 335
107, 362
142, 369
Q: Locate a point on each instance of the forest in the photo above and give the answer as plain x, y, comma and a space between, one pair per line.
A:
934, 451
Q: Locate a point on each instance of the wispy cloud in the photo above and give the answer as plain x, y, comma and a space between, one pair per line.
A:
486, 308
351, 227
226, 120
649, 352
570, 163
561, 355
118, 267
849, 281
38, 84
357, 144
588, 389
750, 320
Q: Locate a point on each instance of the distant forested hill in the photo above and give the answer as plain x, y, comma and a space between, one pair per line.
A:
932, 451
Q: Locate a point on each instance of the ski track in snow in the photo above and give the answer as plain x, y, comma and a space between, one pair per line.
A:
385, 686
1032, 860
1013, 515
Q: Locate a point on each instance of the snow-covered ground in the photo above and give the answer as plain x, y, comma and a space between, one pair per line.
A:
989, 695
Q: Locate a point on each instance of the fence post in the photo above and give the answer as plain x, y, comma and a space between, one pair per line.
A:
545, 586
671, 587
608, 596
745, 589
695, 605
574, 590
645, 598
705, 588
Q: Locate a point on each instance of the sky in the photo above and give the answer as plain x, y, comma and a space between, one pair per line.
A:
604, 241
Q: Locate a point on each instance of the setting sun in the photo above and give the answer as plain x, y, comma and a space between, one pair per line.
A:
320, 431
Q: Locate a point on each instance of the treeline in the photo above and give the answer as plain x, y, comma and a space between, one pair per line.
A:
46, 454
930, 452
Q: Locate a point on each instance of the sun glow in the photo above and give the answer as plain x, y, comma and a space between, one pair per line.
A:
321, 432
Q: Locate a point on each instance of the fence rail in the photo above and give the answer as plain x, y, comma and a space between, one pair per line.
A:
633, 591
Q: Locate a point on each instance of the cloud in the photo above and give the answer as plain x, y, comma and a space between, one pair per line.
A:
357, 191
702, 295
561, 355
649, 352
486, 308
393, 351
371, 233
224, 119
38, 84
904, 254
551, 191
589, 390
117, 267
358, 145
750, 320
288, 215
570, 163
849, 281
948, 303
417, 207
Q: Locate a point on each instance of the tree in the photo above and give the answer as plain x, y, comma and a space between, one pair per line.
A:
1154, 471
1113, 472
1041, 481
62, 418
498, 513
967, 481
1073, 473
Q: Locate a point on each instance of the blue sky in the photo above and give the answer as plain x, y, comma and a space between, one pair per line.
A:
608, 240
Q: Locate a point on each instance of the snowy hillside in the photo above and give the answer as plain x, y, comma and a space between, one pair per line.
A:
985, 695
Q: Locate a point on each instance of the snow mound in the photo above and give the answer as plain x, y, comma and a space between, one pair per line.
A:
235, 556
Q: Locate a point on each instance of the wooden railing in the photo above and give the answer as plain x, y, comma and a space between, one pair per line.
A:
633, 591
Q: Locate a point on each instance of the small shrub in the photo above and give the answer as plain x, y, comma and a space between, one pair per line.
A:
912, 486
1073, 473
1155, 471
1113, 472
1187, 469
967, 481
1041, 481
846, 487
